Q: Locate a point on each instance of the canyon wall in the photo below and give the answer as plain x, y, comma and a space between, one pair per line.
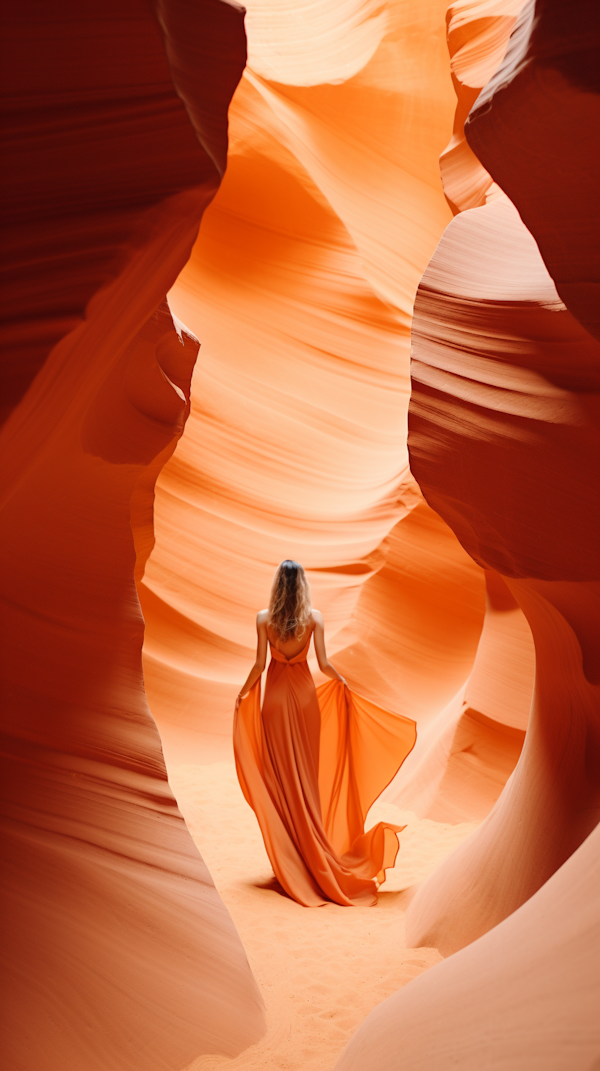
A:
301, 286
118, 951
500, 361
503, 428
441, 584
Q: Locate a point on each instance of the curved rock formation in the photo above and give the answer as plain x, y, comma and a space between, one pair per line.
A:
301, 287
227, 511
546, 107
533, 420
95, 134
119, 952
478, 34
524, 384
525, 996
413, 634
466, 754
503, 425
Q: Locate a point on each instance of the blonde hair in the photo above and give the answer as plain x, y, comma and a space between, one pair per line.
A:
289, 606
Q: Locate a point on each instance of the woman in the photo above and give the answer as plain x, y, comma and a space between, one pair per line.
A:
313, 761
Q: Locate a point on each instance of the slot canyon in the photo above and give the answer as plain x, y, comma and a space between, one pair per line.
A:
313, 280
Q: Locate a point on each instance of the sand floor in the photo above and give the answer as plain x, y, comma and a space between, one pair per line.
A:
320, 970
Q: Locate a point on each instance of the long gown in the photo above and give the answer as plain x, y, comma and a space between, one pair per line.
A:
311, 764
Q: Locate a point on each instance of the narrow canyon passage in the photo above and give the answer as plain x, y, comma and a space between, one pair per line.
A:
322, 970
312, 280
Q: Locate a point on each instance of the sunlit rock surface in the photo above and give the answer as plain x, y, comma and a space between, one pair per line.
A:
525, 996
466, 753
119, 953
546, 107
533, 423
301, 288
478, 34
503, 428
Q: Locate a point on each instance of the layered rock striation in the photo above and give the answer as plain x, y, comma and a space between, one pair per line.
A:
498, 360
503, 427
118, 949
301, 287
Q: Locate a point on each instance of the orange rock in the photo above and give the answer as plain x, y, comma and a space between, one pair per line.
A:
120, 952
503, 437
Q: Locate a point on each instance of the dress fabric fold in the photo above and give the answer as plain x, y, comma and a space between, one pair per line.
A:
310, 764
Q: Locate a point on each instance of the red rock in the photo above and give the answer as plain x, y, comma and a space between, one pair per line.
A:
119, 950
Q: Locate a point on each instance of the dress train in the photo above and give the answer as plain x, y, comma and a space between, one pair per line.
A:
310, 764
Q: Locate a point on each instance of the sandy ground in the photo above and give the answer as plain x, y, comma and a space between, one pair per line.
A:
320, 970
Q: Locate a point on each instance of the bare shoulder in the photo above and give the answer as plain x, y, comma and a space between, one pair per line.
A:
261, 618
317, 617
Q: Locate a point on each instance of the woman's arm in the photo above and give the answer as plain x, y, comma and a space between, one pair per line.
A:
324, 663
261, 655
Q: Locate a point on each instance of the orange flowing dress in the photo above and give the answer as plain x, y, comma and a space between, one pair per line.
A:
310, 764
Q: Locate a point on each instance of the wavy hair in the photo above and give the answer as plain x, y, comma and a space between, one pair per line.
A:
289, 607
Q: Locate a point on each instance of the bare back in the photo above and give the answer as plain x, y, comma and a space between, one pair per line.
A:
292, 647
289, 648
